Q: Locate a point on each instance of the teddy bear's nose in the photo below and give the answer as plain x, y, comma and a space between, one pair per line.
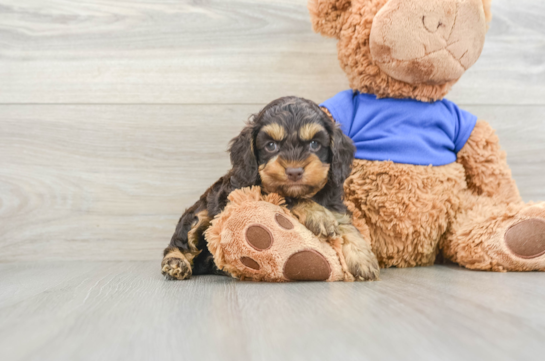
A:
432, 23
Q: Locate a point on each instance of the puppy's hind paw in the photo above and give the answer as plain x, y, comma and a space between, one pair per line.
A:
174, 268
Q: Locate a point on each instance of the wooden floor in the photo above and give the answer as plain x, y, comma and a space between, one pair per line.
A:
126, 311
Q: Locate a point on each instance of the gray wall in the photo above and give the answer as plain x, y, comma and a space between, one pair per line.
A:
115, 116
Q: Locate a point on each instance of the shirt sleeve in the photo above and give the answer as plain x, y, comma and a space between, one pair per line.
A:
341, 107
465, 123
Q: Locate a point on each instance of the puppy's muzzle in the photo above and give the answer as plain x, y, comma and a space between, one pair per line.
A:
295, 174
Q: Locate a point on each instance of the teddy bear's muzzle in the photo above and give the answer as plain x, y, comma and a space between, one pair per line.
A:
428, 41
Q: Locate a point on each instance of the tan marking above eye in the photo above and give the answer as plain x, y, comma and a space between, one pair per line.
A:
309, 130
275, 131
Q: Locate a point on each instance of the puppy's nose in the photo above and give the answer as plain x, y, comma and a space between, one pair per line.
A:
295, 174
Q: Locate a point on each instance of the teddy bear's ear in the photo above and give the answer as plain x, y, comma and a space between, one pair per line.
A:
487, 10
327, 16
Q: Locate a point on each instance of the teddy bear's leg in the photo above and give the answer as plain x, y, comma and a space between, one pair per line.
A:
494, 230
492, 236
404, 209
486, 168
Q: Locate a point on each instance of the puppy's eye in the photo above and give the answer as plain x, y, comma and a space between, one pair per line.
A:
315, 146
271, 147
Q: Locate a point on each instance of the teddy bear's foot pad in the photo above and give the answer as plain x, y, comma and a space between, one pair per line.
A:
259, 237
527, 238
250, 263
307, 265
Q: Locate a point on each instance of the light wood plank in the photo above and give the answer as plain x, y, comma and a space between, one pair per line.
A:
110, 182
119, 311
236, 51
106, 182
125, 310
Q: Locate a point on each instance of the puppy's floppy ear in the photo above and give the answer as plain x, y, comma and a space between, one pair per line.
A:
244, 172
328, 16
343, 151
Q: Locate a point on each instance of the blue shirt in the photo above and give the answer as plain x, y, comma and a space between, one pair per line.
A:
402, 130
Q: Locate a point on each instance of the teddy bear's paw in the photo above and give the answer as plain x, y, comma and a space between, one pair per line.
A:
174, 268
307, 265
526, 239
293, 263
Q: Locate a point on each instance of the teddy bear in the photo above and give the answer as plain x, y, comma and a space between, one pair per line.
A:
430, 180
256, 238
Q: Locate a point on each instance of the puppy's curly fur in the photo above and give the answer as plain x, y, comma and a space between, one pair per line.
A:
292, 148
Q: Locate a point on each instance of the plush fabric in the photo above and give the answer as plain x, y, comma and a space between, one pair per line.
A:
256, 238
402, 130
428, 41
469, 211
352, 21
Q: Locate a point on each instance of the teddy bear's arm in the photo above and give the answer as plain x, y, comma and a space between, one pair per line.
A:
487, 171
328, 114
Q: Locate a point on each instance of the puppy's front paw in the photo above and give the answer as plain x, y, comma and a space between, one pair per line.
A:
174, 268
317, 219
364, 270
323, 226
361, 262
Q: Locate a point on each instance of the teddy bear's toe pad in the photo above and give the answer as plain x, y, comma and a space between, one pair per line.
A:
250, 263
259, 237
527, 238
307, 265
283, 221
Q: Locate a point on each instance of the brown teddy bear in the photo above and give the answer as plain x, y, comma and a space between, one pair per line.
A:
429, 178
256, 238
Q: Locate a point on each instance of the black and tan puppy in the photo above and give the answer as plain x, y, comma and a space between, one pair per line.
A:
291, 148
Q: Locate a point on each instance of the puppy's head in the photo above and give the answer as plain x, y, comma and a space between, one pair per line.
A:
291, 148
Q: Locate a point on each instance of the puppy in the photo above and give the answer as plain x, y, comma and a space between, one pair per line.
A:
291, 148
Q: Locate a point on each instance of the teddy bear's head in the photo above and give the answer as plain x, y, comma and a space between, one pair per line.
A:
404, 48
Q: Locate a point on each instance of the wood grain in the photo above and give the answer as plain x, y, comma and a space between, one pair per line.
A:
126, 311
217, 51
106, 182
109, 182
